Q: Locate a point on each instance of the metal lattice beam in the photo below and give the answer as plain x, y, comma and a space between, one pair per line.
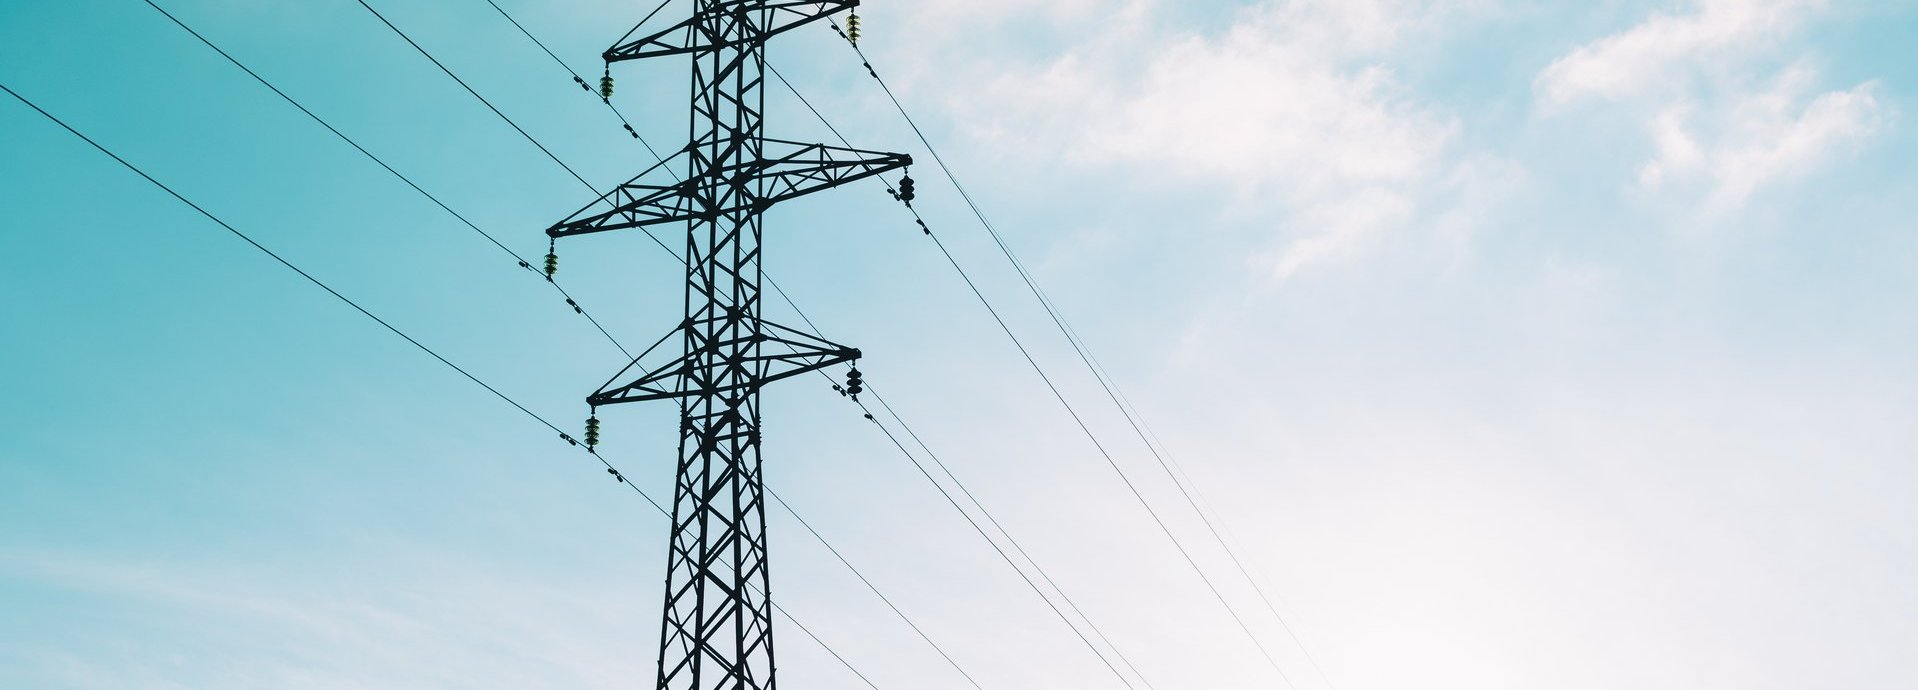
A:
716, 632
789, 170
693, 36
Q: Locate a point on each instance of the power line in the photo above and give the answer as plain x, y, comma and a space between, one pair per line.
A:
1133, 417
875, 590
1016, 547
1220, 532
581, 81
910, 623
1071, 336
822, 643
942, 466
388, 326
1110, 461
624, 122
389, 168
555, 158
627, 125
770, 283
716, 632
995, 545
813, 328
1060, 396
282, 260
570, 301
476, 94
874, 393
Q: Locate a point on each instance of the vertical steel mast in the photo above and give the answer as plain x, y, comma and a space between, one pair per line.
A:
717, 628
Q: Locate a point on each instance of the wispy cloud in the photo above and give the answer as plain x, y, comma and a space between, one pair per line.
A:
1758, 139
1293, 102
1668, 48
294, 633
1722, 123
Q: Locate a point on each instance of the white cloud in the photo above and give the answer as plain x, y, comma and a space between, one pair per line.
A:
946, 12
1258, 110
1761, 139
1668, 47
1293, 104
1720, 128
1278, 97
1344, 227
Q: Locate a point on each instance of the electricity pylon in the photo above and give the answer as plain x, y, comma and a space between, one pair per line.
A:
717, 629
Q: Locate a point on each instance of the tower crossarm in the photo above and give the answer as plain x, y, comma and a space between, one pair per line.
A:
787, 169
717, 629
682, 377
688, 37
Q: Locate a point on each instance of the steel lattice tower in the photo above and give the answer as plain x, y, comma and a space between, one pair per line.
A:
717, 629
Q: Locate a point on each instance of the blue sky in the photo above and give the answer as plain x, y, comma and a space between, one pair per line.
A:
1517, 344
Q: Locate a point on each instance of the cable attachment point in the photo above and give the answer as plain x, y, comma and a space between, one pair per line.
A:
852, 29
606, 83
552, 260
853, 387
616, 475
592, 430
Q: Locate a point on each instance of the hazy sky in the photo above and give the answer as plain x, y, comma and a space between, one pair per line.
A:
1518, 345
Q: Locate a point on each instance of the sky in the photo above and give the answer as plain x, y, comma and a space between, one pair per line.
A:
1510, 344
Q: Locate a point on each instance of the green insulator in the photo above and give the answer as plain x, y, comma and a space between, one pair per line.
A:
852, 29
552, 264
606, 86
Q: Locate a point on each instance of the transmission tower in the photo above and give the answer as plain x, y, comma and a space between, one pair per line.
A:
717, 628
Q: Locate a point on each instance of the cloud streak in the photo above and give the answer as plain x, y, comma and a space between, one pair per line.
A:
1668, 47
1293, 102
1760, 139
1720, 129
479, 633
